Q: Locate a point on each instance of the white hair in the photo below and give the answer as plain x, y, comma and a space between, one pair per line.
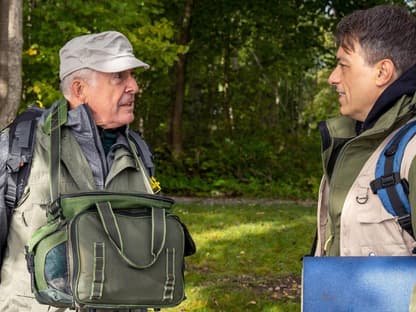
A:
85, 74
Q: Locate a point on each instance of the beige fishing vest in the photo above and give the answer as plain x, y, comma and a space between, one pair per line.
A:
76, 176
367, 229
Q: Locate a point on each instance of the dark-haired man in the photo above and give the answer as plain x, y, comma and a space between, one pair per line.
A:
375, 78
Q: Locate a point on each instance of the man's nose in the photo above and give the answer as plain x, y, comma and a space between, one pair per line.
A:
132, 86
334, 78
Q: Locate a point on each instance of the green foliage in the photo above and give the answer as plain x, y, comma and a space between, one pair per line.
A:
52, 23
245, 166
256, 84
323, 105
245, 253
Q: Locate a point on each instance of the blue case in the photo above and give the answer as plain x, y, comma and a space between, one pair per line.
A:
382, 284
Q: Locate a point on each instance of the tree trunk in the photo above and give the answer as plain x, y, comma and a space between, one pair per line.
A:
11, 42
228, 110
180, 68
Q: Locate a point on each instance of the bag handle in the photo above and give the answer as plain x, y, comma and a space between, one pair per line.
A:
111, 227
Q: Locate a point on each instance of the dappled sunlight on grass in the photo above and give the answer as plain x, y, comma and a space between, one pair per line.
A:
243, 253
242, 244
237, 231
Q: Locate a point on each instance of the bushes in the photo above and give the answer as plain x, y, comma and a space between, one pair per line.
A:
250, 167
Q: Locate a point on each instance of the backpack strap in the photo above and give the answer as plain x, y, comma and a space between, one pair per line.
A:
392, 189
143, 150
146, 156
21, 145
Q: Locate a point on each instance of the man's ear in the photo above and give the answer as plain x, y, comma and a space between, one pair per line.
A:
78, 94
386, 72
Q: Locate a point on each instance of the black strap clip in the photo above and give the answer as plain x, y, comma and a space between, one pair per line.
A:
385, 182
405, 222
29, 260
55, 210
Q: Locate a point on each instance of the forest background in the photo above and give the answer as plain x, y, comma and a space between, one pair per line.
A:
236, 88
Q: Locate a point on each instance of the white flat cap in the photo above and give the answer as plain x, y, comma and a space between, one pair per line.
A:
108, 52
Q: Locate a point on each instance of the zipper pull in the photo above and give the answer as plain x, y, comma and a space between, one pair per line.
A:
328, 241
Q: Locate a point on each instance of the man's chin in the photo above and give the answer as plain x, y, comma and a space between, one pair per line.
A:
342, 111
127, 120
119, 123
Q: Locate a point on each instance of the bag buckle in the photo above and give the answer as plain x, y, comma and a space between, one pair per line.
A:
55, 211
29, 260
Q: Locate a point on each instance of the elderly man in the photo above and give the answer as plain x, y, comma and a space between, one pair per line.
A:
376, 81
96, 73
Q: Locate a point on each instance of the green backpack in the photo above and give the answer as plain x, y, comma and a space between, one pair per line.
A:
106, 250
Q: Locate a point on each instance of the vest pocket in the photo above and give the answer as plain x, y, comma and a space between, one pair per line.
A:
373, 215
379, 233
369, 207
385, 250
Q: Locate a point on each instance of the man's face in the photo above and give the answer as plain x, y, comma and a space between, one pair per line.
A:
111, 98
355, 82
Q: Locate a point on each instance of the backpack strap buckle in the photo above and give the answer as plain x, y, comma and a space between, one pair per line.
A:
55, 210
385, 182
406, 223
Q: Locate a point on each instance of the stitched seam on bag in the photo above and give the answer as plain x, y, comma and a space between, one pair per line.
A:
170, 274
97, 285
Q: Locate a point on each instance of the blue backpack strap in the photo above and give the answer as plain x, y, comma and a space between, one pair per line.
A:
391, 188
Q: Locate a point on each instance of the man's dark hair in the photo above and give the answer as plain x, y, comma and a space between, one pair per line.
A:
384, 31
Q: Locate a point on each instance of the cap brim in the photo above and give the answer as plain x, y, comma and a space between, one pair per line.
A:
119, 64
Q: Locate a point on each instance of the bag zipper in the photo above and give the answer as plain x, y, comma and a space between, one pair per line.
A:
105, 193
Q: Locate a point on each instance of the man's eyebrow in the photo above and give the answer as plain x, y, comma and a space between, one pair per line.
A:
341, 59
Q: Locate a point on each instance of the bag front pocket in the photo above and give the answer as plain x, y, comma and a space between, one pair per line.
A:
47, 262
127, 260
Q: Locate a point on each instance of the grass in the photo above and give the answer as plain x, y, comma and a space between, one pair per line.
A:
248, 256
